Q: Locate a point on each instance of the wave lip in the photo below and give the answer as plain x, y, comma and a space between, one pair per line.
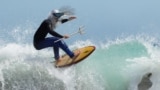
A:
114, 62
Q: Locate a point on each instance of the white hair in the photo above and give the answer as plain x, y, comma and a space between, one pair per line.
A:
67, 10
52, 18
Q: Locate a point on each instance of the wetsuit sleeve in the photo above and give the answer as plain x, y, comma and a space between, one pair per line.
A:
64, 20
52, 32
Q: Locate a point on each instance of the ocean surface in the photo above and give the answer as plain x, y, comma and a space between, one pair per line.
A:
116, 64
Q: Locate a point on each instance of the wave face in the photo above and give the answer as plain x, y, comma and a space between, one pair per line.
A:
115, 64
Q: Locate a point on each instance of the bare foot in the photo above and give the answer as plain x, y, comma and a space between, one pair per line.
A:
76, 54
58, 60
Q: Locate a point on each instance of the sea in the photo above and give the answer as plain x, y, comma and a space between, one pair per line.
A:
116, 64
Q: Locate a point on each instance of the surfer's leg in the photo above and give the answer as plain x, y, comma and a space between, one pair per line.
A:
48, 42
65, 48
56, 52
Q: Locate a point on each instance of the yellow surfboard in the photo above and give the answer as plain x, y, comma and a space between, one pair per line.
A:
67, 61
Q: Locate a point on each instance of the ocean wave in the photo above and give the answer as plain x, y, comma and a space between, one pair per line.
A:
115, 65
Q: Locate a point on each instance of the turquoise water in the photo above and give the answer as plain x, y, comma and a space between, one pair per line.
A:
115, 65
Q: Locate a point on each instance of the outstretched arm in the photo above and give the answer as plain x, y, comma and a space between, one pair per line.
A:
69, 19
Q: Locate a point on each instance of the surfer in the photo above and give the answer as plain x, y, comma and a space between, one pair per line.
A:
48, 26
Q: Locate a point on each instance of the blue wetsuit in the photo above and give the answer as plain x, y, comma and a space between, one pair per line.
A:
41, 41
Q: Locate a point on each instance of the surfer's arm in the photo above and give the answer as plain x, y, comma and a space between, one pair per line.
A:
69, 19
52, 32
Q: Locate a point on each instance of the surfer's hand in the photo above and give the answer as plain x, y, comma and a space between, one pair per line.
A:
71, 18
66, 36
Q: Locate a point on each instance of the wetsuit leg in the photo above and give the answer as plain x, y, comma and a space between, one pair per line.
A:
49, 42
65, 48
56, 52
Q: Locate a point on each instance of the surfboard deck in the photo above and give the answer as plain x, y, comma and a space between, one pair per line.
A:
84, 52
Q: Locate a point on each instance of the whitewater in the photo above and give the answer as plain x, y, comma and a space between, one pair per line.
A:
116, 64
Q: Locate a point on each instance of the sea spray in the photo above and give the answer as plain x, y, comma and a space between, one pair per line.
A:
115, 65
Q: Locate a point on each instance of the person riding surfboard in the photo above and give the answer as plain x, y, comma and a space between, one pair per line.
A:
48, 26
